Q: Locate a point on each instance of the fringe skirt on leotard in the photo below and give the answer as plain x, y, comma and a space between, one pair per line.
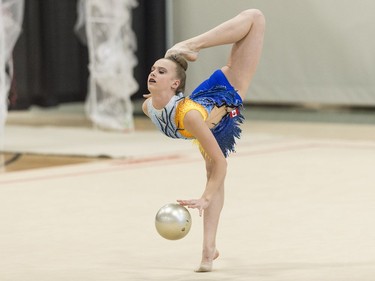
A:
227, 130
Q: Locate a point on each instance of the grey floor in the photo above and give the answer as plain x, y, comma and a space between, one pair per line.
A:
299, 200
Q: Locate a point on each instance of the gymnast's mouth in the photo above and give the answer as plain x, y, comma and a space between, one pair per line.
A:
151, 80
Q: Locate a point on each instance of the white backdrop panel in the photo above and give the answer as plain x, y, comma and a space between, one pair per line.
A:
316, 51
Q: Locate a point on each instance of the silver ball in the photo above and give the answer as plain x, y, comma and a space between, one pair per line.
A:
173, 221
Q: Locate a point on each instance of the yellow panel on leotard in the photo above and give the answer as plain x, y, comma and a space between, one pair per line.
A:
184, 107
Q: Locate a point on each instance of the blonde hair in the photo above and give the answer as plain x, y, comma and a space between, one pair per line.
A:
181, 67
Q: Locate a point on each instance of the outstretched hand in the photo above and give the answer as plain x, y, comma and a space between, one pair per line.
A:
199, 204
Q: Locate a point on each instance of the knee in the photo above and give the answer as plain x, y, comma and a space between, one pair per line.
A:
255, 15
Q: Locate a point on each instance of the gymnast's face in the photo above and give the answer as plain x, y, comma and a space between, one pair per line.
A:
162, 76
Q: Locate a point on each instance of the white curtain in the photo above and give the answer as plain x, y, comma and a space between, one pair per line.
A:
11, 17
111, 44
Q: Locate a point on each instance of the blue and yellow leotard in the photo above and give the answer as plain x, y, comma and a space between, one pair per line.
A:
216, 100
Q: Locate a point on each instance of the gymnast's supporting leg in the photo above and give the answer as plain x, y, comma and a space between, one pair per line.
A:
211, 217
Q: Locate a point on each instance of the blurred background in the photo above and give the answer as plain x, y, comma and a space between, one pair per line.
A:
51, 62
316, 52
86, 62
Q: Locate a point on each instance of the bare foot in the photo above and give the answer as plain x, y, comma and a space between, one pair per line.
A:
183, 50
206, 266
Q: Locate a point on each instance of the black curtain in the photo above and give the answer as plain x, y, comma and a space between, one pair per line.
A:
149, 24
51, 64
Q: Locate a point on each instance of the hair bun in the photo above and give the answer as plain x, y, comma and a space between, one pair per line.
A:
179, 60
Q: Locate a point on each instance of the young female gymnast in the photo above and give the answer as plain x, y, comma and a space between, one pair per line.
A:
210, 115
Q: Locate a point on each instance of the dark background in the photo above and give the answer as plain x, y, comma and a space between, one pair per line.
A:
51, 63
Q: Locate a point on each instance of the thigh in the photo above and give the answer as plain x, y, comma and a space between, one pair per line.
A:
244, 58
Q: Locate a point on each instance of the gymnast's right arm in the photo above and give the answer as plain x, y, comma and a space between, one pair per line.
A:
195, 124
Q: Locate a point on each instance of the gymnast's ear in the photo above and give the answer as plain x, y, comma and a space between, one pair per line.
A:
175, 84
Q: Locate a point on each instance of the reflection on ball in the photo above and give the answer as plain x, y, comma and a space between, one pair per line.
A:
173, 221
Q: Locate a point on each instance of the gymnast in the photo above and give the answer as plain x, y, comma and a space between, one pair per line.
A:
211, 114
